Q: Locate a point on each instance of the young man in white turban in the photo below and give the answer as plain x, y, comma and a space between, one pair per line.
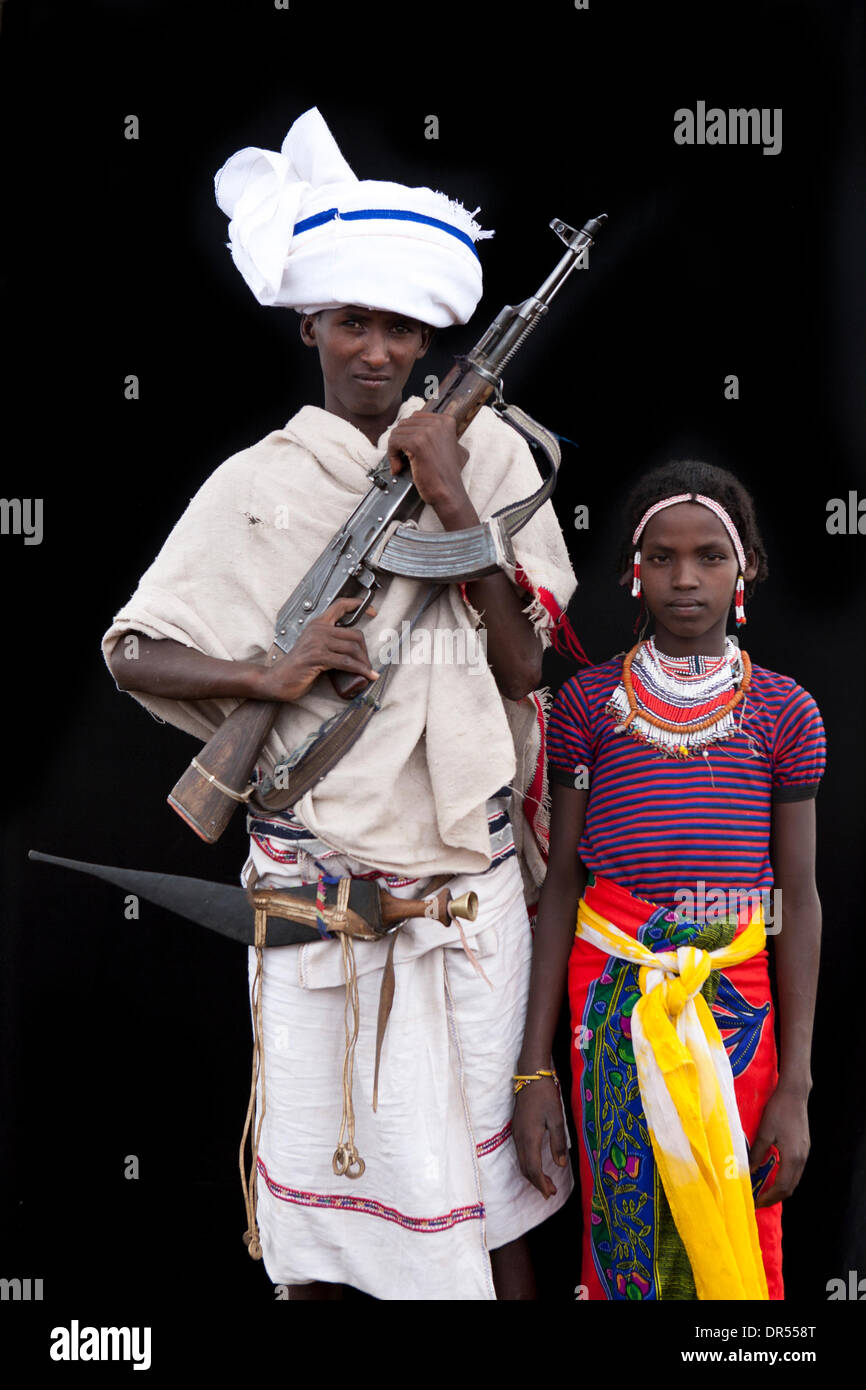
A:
447, 778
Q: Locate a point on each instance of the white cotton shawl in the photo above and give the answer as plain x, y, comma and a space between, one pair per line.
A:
410, 795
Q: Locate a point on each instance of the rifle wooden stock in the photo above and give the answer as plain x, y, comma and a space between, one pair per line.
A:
230, 754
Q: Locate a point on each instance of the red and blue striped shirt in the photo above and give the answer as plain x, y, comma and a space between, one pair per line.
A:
657, 825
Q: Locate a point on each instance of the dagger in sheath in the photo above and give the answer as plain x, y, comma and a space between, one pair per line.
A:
371, 912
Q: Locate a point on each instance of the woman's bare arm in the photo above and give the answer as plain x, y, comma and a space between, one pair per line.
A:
537, 1107
797, 949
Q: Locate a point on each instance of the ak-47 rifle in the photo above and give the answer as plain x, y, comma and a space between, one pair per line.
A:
368, 545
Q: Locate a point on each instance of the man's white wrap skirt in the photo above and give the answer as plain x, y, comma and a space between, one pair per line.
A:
442, 1186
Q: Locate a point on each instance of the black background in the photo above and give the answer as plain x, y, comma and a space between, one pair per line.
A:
125, 1037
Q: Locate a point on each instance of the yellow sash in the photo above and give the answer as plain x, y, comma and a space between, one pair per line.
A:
687, 1090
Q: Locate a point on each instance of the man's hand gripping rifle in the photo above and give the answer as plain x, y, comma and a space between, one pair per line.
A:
371, 543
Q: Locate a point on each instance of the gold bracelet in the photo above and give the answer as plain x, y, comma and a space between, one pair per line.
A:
521, 1081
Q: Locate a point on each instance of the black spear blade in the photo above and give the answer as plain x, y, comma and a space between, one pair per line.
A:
219, 906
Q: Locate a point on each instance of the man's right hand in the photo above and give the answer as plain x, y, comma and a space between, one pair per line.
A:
163, 667
321, 647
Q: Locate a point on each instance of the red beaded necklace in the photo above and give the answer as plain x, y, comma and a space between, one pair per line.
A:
679, 710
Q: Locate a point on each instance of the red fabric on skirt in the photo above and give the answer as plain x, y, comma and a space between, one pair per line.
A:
753, 1087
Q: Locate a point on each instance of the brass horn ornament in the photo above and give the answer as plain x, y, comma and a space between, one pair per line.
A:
465, 906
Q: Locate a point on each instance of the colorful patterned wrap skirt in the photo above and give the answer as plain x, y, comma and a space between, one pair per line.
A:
631, 1248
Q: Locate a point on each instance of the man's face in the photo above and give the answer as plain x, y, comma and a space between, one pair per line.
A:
366, 356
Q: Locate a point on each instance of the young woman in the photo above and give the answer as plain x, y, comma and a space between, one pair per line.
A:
684, 781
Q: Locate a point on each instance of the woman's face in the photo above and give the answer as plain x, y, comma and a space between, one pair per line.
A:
688, 573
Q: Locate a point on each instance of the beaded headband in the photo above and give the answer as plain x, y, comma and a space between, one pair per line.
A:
710, 502
719, 511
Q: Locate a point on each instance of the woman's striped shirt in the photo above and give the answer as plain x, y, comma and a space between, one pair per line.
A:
660, 826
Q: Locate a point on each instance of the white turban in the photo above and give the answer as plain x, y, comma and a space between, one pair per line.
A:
306, 234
